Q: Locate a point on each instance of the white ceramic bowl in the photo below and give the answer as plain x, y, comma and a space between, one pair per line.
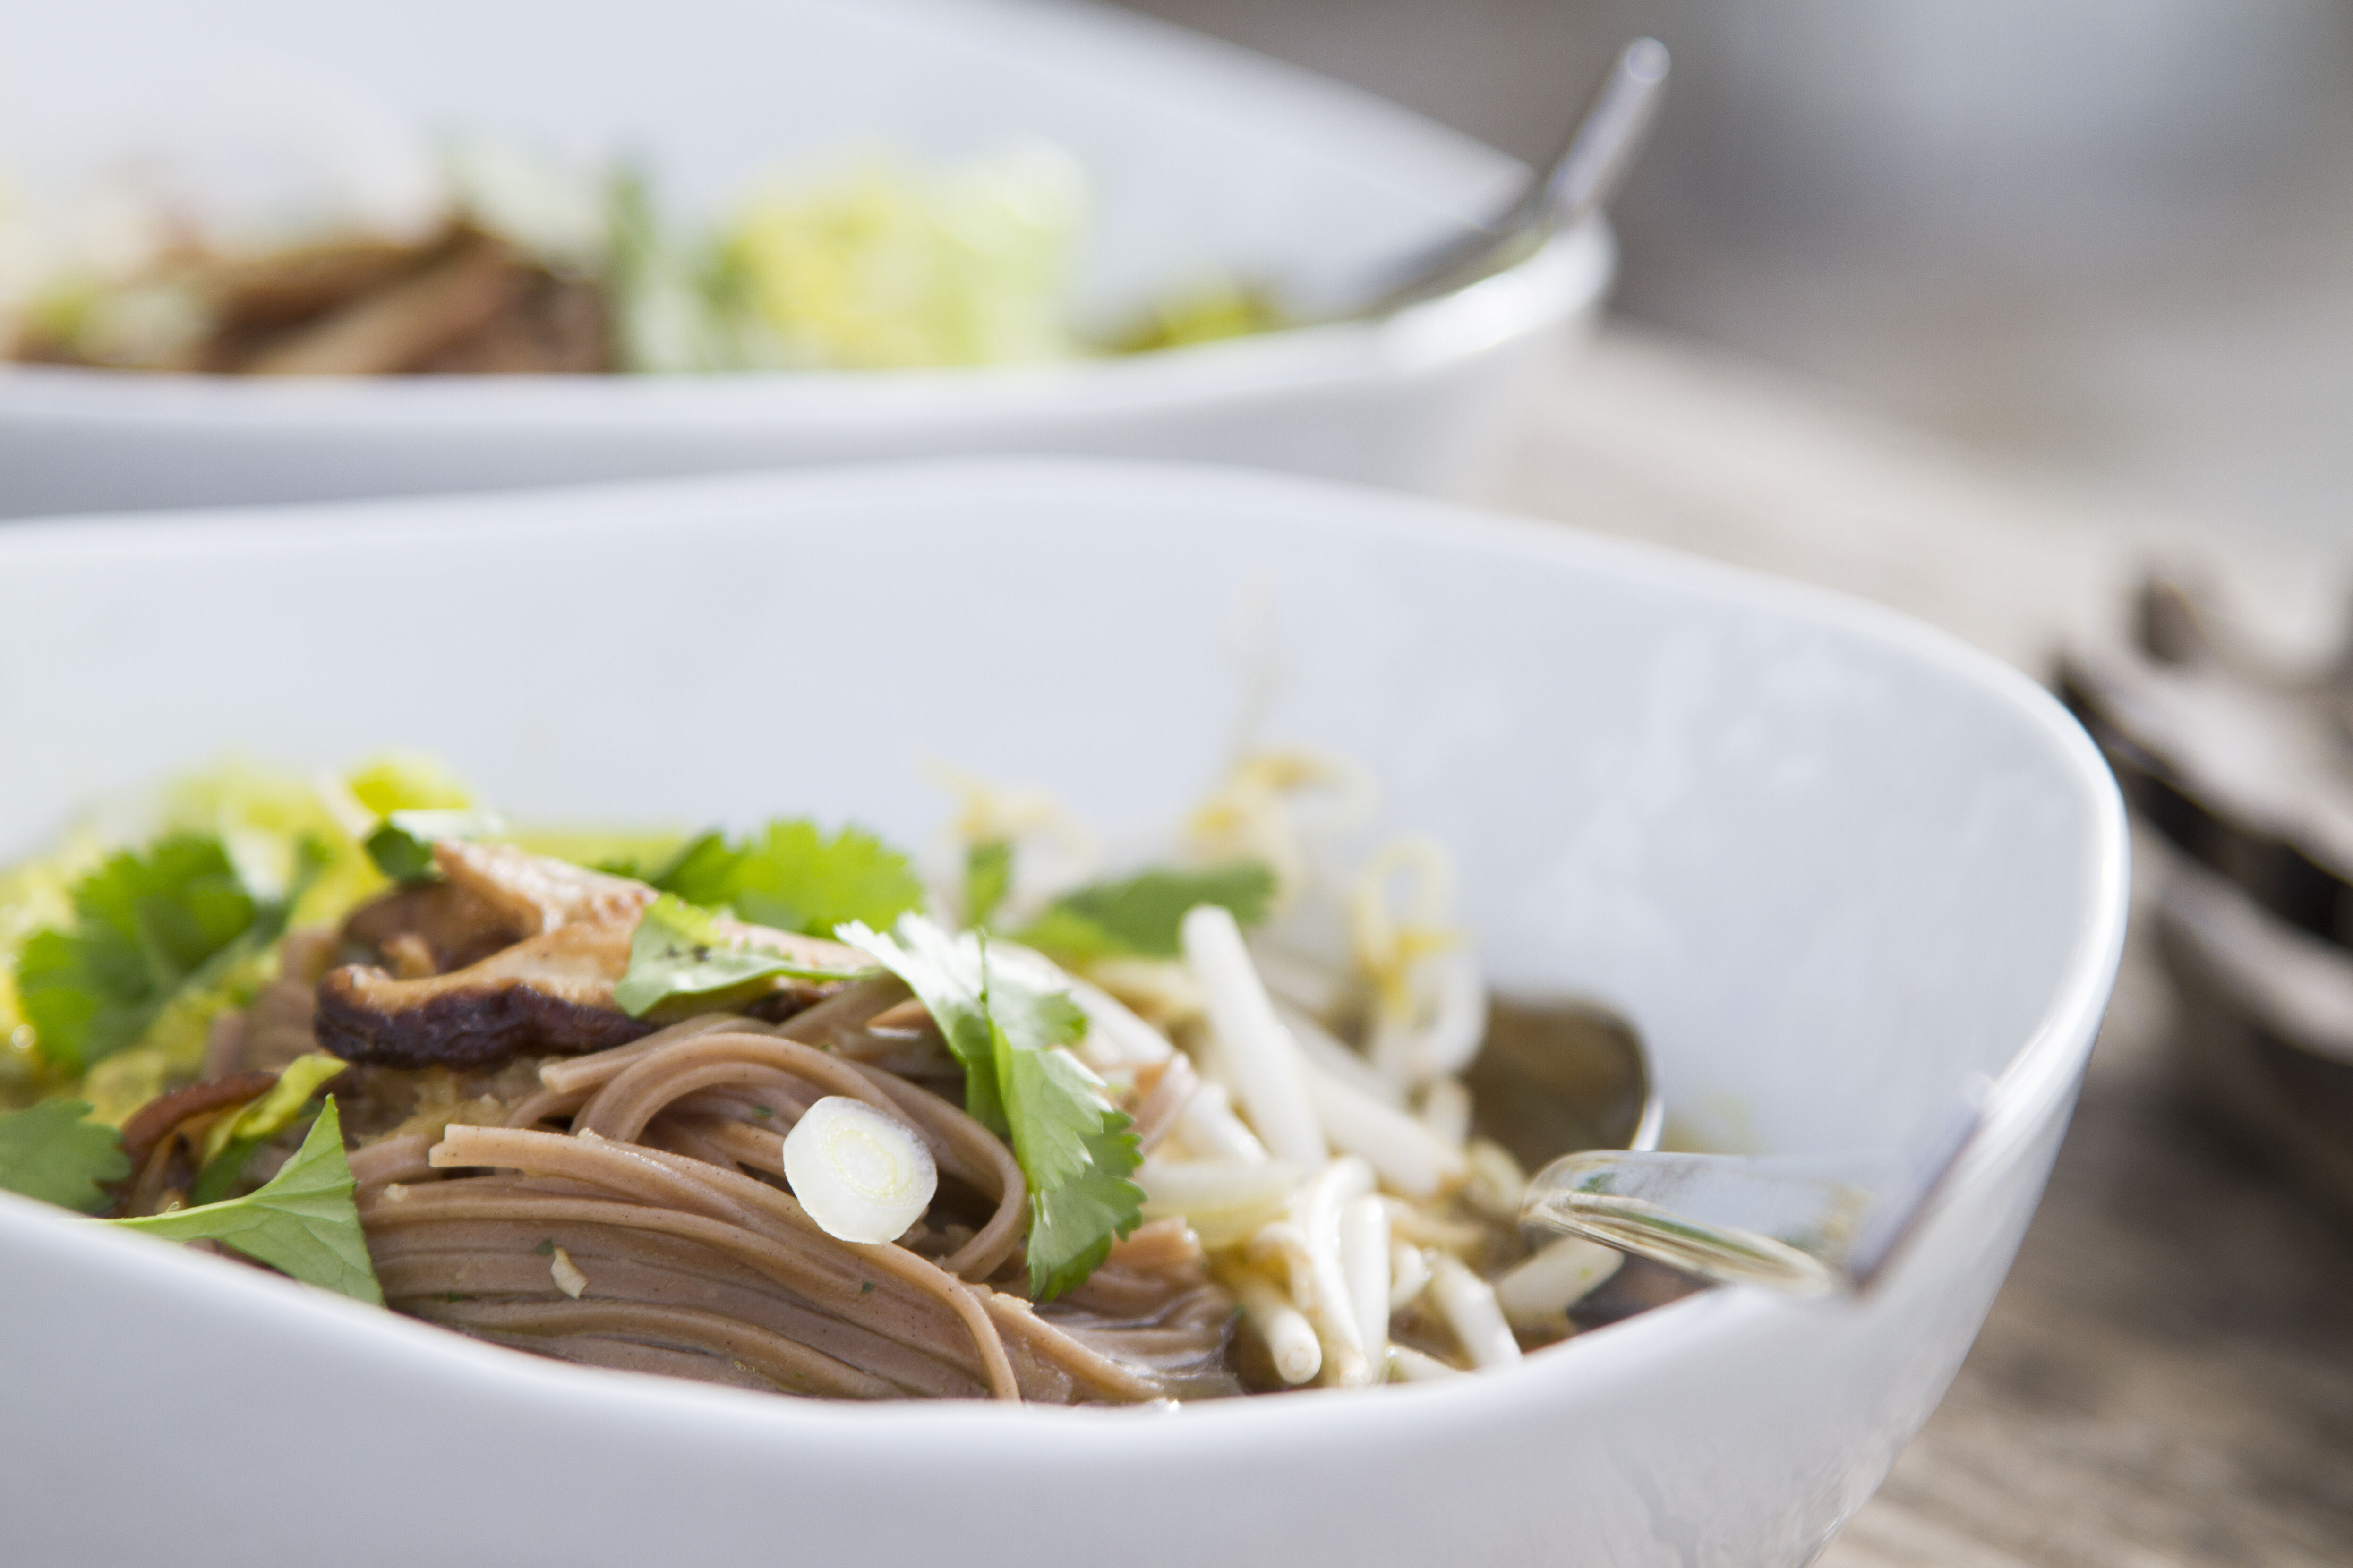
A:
1201, 155
1833, 863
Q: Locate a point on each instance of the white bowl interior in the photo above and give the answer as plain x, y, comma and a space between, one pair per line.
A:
1832, 865
1201, 155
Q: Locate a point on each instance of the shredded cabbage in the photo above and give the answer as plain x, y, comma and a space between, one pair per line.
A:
879, 267
262, 818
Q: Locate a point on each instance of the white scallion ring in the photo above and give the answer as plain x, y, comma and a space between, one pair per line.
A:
861, 1175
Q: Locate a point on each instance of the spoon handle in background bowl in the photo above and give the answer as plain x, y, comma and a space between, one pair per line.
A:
1579, 181
1806, 1226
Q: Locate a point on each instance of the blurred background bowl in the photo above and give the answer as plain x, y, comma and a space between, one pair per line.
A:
1204, 160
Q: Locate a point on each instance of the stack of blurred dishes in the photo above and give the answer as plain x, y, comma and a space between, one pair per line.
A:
2242, 762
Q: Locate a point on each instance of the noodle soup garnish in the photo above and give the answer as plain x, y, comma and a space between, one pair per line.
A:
787, 1110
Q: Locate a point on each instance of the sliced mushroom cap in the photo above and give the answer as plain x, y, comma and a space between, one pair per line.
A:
453, 925
549, 993
514, 954
536, 893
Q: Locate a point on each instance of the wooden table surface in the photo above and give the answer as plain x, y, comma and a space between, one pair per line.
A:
2166, 1379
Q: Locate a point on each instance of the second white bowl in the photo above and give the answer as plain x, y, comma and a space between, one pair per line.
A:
1202, 156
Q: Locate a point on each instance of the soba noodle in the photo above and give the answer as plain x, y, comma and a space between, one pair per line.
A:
1314, 1206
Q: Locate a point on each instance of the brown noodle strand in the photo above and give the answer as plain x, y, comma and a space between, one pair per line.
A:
886, 1309
782, 1361
545, 1106
621, 1108
1157, 1113
846, 1011
667, 1194
921, 1272
629, 1102
1011, 1313
501, 1260
393, 1160
586, 1074
726, 1195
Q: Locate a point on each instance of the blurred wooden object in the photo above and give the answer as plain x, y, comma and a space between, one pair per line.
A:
2167, 1377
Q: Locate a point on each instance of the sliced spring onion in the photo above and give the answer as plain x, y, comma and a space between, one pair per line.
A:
861, 1175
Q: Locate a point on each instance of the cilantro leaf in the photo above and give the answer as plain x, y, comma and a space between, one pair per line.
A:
794, 879
144, 925
302, 1221
1075, 1150
1071, 1226
702, 871
944, 973
791, 877
402, 844
233, 1139
1006, 1024
679, 950
52, 1153
988, 874
1138, 916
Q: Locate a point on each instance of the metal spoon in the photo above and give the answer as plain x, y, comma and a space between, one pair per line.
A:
1807, 1226
1578, 181
1558, 1073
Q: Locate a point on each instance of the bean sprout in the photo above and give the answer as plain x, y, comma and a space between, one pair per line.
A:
1116, 1036
1544, 1285
1410, 1366
1408, 1274
1429, 1002
1224, 1200
1468, 1304
1253, 1047
1318, 1283
1446, 1110
1270, 806
1324, 1049
1364, 1261
1290, 1341
1054, 850
1408, 1158
1209, 1128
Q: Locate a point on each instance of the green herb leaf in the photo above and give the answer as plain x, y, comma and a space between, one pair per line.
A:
679, 950
790, 877
1139, 915
702, 871
794, 879
233, 1139
302, 1221
1006, 1024
1072, 1226
144, 925
988, 874
944, 972
51, 1153
402, 844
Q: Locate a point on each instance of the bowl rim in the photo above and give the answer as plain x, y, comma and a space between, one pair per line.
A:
2032, 1093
